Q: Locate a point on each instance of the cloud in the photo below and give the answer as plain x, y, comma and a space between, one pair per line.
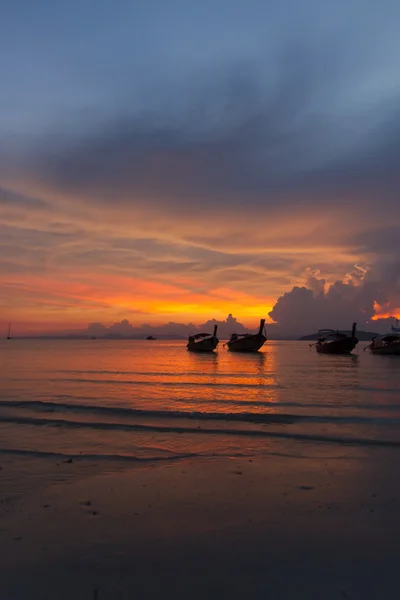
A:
262, 143
224, 171
9, 198
125, 329
336, 305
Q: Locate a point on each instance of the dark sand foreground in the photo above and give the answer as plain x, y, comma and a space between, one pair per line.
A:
277, 527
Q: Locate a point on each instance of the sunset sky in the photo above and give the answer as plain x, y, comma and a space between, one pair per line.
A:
179, 161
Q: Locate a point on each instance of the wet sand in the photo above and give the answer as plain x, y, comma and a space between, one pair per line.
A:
278, 527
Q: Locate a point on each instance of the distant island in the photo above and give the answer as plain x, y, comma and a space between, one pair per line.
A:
124, 330
362, 336
110, 336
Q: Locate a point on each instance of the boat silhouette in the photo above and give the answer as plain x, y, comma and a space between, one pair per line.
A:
248, 342
333, 341
203, 342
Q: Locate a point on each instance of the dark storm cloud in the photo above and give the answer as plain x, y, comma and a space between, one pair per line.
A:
261, 129
279, 97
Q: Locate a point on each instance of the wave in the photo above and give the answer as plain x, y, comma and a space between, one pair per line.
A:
265, 385
199, 374
49, 405
247, 417
165, 429
168, 383
95, 457
290, 404
126, 458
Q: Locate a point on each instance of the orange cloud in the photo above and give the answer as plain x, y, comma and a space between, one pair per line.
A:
383, 312
67, 261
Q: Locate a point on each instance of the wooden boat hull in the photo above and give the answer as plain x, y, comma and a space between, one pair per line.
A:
389, 350
208, 345
345, 346
252, 343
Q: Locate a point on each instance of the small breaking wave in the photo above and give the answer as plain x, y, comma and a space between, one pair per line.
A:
246, 417
94, 457
170, 384
175, 429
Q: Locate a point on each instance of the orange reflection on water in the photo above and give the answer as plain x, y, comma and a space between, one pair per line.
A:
233, 382
160, 375
138, 397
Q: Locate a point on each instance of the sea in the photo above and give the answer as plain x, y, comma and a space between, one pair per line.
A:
142, 401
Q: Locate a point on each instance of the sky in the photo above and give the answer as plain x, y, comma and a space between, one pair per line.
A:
181, 161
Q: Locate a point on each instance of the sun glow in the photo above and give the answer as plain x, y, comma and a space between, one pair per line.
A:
65, 304
383, 312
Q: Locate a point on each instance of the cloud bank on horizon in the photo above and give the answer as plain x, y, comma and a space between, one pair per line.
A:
183, 161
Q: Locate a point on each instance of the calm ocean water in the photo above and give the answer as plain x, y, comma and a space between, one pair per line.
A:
154, 401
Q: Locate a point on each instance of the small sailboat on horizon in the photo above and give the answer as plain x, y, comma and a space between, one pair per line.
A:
9, 332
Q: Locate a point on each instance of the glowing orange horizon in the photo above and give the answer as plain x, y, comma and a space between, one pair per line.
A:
150, 263
59, 305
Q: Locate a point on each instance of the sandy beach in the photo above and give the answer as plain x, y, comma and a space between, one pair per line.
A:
317, 526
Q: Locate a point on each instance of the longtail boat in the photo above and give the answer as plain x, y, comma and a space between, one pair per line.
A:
248, 342
203, 342
331, 341
388, 344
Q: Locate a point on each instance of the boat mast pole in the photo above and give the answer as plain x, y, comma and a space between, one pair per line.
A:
262, 323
